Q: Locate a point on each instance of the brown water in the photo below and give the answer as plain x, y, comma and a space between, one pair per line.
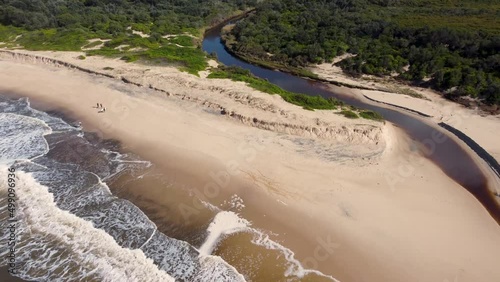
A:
65, 192
254, 251
170, 198
6, 277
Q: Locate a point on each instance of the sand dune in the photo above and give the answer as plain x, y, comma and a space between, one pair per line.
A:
371, 207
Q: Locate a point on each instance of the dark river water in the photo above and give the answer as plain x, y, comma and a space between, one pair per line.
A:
447, 154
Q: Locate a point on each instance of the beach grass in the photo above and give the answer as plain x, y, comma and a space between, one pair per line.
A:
182, 40
9, 33
349, 114
93, 44
303, 100
55, 39
142, 27
191, 60
135, 48
130, 47
367, 114
45, 39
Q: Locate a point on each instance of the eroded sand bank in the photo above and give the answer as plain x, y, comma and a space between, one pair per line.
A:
337, 174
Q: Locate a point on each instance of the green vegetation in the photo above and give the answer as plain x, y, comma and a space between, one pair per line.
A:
182, 40
370, 115
191, 59
142, 27
114, 16
93, 44
349, 114
306, 101
46, 39
451, 46
132, 48
264, 61
68, 25
9, 33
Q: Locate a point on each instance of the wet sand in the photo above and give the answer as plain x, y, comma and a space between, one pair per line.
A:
306, 190
6, 277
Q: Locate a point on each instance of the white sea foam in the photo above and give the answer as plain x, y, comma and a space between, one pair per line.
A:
224, 223
215, 269
121, 161
76, 250
173, 256
22, 137
56, 244
235, 203
22, 107
72, 228
295, 268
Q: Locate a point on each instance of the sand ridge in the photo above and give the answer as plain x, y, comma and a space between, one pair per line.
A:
235, 100
385, 212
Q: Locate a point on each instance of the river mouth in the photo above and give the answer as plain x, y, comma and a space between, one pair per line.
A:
434, 143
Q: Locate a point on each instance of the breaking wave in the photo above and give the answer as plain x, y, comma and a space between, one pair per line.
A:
69, 225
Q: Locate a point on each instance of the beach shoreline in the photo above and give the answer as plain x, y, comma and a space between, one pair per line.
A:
365, 219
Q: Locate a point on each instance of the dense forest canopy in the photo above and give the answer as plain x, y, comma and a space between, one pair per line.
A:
453, 46
114, 15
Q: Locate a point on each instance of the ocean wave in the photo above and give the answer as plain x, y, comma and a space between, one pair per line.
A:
71, 227
22, 137
65, 241
54, 244
226, 223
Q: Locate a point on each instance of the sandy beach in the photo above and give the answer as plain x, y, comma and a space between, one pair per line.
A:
352, 198
471, 121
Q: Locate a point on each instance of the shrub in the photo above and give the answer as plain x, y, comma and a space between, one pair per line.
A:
129, 58
299, 99
349, 114
371, 115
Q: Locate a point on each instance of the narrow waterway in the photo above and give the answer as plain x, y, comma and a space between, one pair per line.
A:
447, 154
